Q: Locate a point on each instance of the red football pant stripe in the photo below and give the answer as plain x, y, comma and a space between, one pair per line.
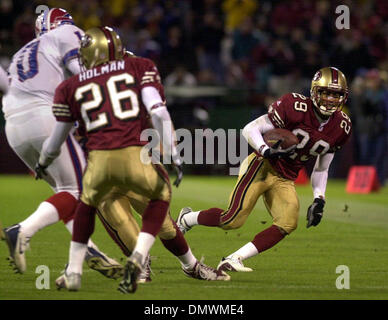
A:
240, 191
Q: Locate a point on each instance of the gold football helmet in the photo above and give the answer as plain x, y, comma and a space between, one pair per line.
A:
329, 90
100, 45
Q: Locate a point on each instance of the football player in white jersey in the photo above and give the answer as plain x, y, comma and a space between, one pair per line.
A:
35, 71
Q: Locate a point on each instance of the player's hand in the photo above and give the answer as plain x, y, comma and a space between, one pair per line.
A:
179, 174
276, 152
40, 171
315, 212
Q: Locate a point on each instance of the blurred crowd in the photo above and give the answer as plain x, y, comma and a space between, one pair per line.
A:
266, 47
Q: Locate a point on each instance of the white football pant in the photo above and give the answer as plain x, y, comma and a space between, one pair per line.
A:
26, 131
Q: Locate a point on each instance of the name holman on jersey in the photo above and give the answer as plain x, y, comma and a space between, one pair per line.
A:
95, 72
217, 309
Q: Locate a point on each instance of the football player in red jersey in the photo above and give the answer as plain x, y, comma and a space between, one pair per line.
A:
322, 128
113, 100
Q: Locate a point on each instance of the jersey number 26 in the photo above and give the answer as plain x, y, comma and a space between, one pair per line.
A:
117, 99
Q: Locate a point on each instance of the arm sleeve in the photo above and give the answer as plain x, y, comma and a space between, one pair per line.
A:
320, 174
277, 111
161, 121
69, 44
253, 133
62, 103
149, 76
73, 66
52, 145
346, 129
3, 81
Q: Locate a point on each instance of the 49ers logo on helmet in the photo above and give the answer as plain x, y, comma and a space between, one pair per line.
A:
317, 76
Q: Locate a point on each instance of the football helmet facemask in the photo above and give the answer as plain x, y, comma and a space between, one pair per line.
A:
51, 19
100, 45
329, 90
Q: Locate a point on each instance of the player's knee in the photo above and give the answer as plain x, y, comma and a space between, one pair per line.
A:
288, 228
287, 225
75, 192
288, 221
236, 221
235, 224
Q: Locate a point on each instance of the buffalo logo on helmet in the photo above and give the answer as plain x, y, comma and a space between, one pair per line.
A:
51, 19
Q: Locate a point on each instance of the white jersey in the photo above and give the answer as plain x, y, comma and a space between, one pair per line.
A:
39, 67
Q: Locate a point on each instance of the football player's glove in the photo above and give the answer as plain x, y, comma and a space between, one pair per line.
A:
40, 171
315, 212
179, 174
276, 151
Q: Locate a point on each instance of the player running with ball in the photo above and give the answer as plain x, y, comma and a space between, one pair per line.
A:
321, 128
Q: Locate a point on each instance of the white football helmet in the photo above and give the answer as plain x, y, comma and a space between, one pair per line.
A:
51, 19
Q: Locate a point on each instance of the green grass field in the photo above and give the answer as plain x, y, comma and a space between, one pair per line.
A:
353, 232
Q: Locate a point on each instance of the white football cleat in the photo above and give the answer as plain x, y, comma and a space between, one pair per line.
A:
202, 271
233, 263
100, 262
132, 270
181, 222
71, 282
145, 274
17, 243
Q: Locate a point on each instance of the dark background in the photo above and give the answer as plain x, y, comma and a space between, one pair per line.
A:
249, 52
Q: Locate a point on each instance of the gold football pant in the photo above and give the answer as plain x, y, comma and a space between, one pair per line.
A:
116, 179
258, 178
122, 169
117, 216
115, 207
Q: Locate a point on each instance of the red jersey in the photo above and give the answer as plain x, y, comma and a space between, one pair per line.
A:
106, 101
295, 112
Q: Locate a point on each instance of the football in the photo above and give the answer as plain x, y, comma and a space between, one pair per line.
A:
287, 137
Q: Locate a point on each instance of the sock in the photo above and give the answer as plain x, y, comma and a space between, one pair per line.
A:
45, 215
84, 220
245, 252
210, 217
69, 226
76, 257
178, 245
153, 216
65, 203
188, 260
192, 218
267, 238
144, 244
